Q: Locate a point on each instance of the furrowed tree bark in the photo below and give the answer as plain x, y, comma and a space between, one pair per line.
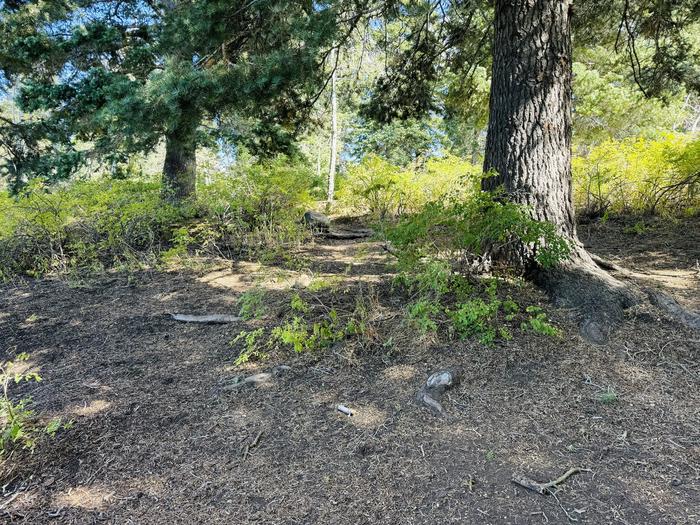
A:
180, 166
528, 146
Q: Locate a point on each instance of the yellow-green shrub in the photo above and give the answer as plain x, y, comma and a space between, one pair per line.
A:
95, 224
639, 175
375, 186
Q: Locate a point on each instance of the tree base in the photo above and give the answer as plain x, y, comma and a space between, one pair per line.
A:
599, 299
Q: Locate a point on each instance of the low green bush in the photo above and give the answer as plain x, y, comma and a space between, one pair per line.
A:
376, 187
458, 229
88, 226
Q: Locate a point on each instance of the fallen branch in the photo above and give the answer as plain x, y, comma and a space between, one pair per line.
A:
545, 488
206, 319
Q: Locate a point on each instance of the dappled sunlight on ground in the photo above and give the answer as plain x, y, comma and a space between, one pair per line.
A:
366, 416
91, 408
91, 498
400, 373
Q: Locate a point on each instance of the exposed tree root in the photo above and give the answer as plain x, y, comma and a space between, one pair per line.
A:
347, 234
669, 305
206, 319
600, 299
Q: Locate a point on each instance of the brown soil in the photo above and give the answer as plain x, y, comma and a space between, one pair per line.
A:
159, 439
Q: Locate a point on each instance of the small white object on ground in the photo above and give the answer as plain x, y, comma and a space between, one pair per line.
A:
345, 410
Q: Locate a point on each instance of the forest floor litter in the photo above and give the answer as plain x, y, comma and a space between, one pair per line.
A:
167, 430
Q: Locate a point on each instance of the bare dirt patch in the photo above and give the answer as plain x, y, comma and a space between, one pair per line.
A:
158, 438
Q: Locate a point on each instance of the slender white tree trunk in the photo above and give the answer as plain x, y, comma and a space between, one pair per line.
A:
334, 138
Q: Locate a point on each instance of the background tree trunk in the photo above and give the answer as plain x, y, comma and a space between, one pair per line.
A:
180, 166
528, 145
334, 138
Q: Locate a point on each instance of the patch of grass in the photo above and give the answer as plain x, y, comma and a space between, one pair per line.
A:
608, 397
330, 282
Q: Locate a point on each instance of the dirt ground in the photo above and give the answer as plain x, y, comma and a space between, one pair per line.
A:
159, 437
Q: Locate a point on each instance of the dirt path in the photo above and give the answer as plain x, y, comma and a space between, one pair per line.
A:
159, 439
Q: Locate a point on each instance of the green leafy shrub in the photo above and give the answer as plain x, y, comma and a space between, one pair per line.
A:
299, 305
421, 315
297, 333
466, 229
252, 304
381, 189
19, 425
252, 349
88, 226
537, 322
476, 318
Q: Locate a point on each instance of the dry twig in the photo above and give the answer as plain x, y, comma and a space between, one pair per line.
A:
545, 488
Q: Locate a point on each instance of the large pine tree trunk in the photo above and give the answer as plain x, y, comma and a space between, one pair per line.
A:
528, 145
180, 166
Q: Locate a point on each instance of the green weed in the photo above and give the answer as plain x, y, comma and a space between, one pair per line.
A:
19, 425
252, 350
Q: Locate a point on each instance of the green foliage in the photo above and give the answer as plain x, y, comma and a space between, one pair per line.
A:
299, 305
639, 176
19, 425
608, 397
476, 318
468, 229
376, 187
297, 334
421, 314
115, 76
537, 322
325, 283
252, 350
430, 278
609, 107
252, 304
88, 226
402, 143
637, 228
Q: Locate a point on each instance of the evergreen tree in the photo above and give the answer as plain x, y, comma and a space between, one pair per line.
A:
123, 75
